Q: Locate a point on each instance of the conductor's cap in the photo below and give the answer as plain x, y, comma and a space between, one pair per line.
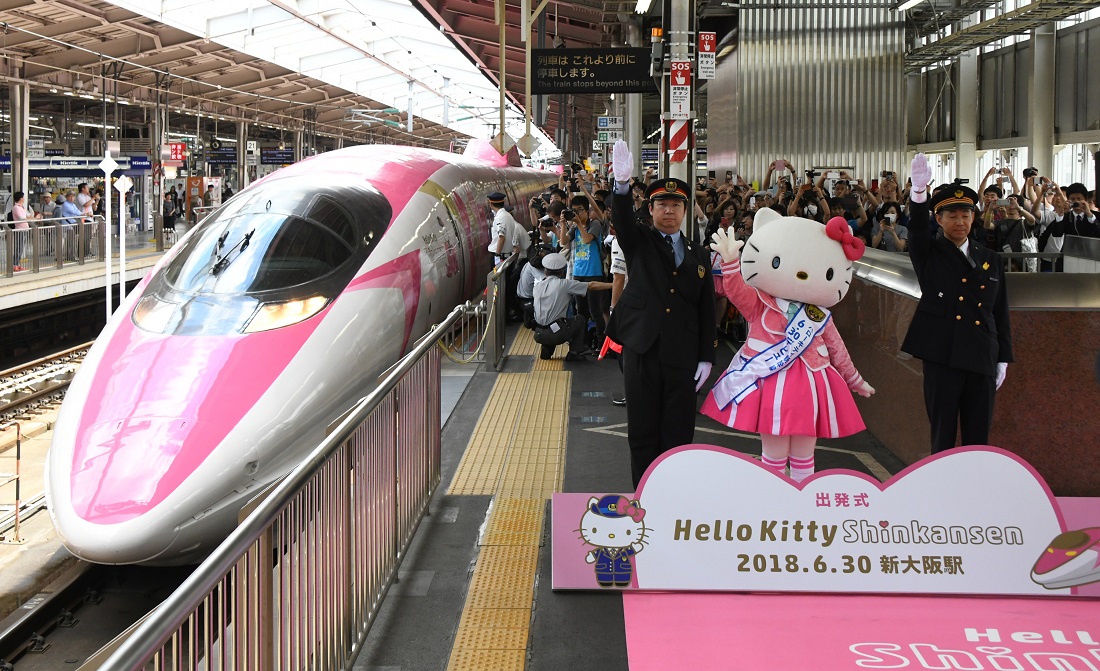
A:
496, 198
553, 261
670, 187
954, 197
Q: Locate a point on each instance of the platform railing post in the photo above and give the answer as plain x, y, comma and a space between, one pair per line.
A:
9, 252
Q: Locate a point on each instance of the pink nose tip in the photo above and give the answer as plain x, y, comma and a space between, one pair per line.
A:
122, 473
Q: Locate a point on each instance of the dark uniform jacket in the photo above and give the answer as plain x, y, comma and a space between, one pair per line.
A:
676, 304
962, 318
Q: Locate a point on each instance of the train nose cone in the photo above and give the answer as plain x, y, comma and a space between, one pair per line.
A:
126, 468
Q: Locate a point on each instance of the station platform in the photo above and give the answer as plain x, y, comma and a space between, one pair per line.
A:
26, 287
475, 589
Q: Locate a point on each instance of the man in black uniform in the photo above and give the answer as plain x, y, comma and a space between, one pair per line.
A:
664, 318
961, 327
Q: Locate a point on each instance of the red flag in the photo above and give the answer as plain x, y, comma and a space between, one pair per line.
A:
609, 344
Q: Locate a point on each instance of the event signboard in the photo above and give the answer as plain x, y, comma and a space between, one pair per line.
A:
968, 521
595, 70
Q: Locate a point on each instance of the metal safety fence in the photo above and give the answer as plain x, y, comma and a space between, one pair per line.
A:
40, 244
300, 581
496, 295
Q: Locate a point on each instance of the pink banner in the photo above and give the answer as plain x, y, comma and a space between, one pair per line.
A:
756, 632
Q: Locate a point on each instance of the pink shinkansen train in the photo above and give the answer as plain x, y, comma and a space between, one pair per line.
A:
221, 369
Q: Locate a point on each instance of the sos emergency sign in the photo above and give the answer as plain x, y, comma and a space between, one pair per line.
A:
708, 43
680, 90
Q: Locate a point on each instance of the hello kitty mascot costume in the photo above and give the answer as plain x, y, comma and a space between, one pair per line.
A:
790, 381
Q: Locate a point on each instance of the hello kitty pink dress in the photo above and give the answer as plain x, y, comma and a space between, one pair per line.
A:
811, 396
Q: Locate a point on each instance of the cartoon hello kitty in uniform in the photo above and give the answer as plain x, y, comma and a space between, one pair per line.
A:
790, 381
614, 525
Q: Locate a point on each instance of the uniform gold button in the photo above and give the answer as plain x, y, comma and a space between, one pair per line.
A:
668, 309
671, 291
674, 273
983, 286
960, 298
958, 316
979, 304
977, 323
964, 280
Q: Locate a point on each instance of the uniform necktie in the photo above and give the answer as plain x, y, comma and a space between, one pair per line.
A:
792, 308
671, 247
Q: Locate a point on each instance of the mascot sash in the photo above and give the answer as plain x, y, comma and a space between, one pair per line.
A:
737, 383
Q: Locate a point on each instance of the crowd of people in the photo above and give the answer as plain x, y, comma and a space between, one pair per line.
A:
575, 273
1031, 214
66, 209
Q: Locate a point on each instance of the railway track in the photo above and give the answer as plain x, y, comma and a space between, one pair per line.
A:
84, 606
84, 609
40, 383
27, 393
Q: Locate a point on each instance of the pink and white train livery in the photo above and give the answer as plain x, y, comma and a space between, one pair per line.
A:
221, 370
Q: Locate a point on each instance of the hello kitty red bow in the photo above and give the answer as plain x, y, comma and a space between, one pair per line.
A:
839, 230
628, 509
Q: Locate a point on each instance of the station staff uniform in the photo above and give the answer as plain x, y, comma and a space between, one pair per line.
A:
961, 326
552, 297
664, 320
504, 224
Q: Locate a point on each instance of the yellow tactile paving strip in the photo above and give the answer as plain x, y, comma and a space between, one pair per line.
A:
524, 344
517, 454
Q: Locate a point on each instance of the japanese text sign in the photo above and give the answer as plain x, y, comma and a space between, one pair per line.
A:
707, 44
969, 521
621, 70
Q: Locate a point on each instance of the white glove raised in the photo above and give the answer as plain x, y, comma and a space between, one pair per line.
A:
726, 245
921, 174
865, 390
622, 162
1002, 370
702, 372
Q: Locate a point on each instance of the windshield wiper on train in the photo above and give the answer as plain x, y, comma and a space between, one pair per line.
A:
224, 261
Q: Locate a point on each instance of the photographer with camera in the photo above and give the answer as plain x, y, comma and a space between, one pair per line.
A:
1075, 217
888, 233
1003, 175
585, 238
888, 191
778, 165
809, 203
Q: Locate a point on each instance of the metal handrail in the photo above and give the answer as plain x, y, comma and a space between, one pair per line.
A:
496, 295
248, 539
52, 242
58, 230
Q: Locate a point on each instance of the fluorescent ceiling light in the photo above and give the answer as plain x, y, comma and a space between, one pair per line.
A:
642, 6
908, 4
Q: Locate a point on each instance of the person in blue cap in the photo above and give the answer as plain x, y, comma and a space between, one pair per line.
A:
961, 328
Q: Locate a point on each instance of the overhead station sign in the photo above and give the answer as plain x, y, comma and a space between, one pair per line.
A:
621, 70
276, 156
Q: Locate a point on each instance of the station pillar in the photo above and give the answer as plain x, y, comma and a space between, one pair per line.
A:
1040, 147
966, 114
242, 157
20, 130
634, 103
